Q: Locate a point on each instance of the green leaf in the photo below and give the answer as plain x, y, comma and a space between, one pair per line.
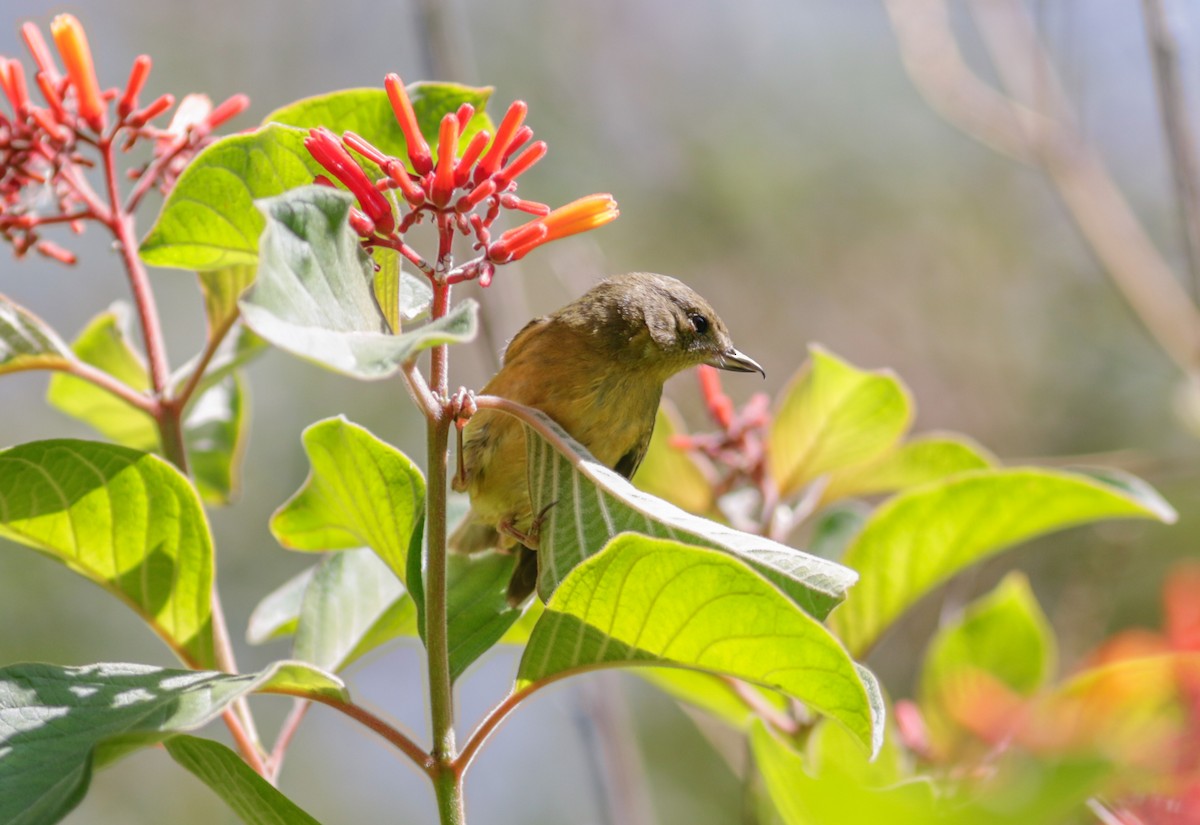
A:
591, 504
402, 298
252, 798
215, 432
477, 605
104, 343
278, 614
644, 601
360, 491
1004, 634
670, 473
26, 341
221, 289
833, 415
919, 461
209, 220
314, 295
718, 696
352, 603
56, 723
126, 520
368, 113
920, 538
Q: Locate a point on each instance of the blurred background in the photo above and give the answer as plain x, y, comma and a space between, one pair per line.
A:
778, 157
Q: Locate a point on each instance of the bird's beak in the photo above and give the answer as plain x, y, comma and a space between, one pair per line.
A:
735, 361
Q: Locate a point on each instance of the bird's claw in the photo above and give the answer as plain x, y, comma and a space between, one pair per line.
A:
531, 538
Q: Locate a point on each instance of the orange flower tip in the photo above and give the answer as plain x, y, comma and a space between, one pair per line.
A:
36, 44
443, 181
505, 132
523, 162
476, 196
227, 110
519, 139
72, 45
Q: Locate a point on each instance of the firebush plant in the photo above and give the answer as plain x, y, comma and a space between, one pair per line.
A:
299, 232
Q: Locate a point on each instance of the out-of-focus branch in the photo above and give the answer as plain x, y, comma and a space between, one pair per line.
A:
1172, 103
1031, 121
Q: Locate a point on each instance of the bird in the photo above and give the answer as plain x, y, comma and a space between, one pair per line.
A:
597, 367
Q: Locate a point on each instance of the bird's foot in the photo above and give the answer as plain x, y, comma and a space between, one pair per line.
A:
461, 407
531, 538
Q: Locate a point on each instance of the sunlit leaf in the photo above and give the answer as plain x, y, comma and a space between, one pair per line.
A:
278, 613
57, 723
347, 599
209, 220
314, 294
105, 344
215, 432
26, 341
833, 415
645, 601
1004, 634
255, 800
922, 537
719, 696
360, 492
124, 519
591, 504
923, 459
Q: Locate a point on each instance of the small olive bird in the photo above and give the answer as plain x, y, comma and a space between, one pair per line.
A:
597, 367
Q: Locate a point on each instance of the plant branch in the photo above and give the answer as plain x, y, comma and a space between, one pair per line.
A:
492, 721
246, 745
1173, 104
287, 730
94, 375
210, 349
393, 735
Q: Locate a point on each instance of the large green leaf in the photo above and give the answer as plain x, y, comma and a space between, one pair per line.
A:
314, 295
105, 344
591, 504
922, 537
833, 415
352, 604
645, 601
368, 113
56, 723
209, 220
1004, 635
124, 519
361, 491
252, 798
478, 606
215, 431
919, 461
26, 341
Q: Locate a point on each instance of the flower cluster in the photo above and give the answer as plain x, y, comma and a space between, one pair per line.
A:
46, 148
739, 444
463, 192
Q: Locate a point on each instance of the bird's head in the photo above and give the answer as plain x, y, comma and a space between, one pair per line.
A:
662, 323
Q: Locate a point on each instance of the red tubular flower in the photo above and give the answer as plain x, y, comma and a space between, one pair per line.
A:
41, 52
15, 87
476, 196
160, 105
324, 146
577, 216
443, 181
418, 149
398, 174
522, 163
519, 139
46, 86
720, 405
464, 114
511, 201
137, 79
72, 44
473, 151
492, 159
227, 110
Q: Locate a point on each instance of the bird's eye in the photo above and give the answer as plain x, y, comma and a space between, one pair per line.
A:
699, 323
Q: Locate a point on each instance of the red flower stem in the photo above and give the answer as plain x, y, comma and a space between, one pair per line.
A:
150, 177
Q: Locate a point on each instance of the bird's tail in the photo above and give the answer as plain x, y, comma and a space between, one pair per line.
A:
471, 536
